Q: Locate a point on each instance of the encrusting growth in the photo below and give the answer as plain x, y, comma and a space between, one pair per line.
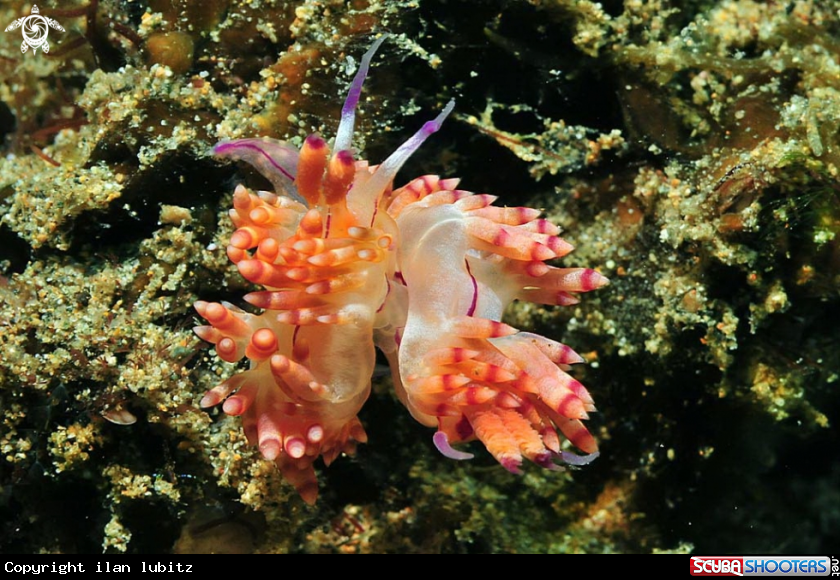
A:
423, 272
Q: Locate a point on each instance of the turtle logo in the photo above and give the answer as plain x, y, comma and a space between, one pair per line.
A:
35, 30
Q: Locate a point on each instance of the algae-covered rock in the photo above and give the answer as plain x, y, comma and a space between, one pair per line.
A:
690, 148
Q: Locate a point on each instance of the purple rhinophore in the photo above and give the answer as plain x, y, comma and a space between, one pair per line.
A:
344, 133
370, 192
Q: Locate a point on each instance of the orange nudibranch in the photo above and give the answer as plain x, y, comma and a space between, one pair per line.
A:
424, 272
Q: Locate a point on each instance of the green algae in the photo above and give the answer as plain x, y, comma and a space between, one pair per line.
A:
688, 149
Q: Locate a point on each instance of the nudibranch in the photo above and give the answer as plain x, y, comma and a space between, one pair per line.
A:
424, 272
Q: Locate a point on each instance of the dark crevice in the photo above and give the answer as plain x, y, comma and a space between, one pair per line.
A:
178, 180
15, 250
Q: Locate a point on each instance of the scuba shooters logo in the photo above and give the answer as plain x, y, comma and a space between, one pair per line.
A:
761, 566
716, 566
35, 29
